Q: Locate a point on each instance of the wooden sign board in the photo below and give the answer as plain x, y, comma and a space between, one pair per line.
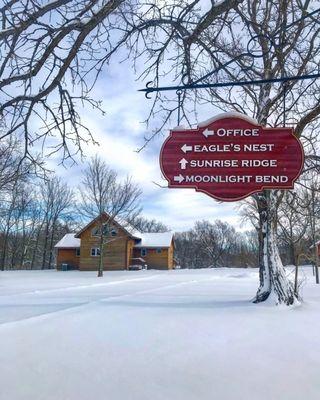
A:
231, 157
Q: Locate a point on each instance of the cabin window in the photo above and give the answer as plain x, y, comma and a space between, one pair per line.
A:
143, 252
95, 231
158, 250
95, 251
78, 252
105, 229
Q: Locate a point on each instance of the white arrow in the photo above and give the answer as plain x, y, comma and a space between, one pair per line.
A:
183, 162
186, 148
178, 178
207, 133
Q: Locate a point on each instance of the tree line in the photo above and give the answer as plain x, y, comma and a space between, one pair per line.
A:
218, 244
36, 211
215, 245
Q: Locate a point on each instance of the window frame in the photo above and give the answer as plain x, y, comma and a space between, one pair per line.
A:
97, 234
143, 252
96, 251
78, 252
110, 231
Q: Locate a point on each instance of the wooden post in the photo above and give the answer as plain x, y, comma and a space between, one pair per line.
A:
313, 230
316, 266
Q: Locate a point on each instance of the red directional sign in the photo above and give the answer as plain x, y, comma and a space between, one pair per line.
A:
230, 157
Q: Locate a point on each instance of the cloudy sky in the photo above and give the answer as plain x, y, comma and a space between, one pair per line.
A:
121, 132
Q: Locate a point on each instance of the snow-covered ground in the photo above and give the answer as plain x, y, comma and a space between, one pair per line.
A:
154, 335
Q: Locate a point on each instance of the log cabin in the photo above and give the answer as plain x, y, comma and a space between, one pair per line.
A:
124, 247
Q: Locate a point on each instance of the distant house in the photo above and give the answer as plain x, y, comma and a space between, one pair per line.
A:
125, 246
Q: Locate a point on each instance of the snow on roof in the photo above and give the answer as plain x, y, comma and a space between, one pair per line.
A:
138, 259
179, 128
230, 114
155, 240
133, 231
128, 227
68, 242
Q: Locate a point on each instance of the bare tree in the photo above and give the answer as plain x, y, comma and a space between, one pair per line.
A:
187, 251
278, 58
56, 199
15, 224
257, 40
293, 224
106, 198
149, 225
216, 240
309, 210
33, 215
8, 217
176, 42
12, 168
209, 245
313, 214
53, 53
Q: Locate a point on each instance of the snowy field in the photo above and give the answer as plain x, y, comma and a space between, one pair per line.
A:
154, 335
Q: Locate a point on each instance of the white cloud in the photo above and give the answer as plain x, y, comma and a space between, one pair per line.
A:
120, 133
180, 208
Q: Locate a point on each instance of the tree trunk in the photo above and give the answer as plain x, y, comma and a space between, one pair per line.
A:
100, 268
273, 281
14, 244
35, 249
4, 250
44, 254
51, 243
293, 258
3, 254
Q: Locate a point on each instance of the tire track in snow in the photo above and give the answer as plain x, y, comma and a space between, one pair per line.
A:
46, 315
78, 287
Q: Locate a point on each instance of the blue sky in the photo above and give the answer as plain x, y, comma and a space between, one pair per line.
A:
121, 132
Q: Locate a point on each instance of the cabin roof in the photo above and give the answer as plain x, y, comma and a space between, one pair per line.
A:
155, 240
69, 241
162, 239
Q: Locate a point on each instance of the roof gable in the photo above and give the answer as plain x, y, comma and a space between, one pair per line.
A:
128, 229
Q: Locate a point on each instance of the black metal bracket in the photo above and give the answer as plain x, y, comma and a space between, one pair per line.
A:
149, 89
